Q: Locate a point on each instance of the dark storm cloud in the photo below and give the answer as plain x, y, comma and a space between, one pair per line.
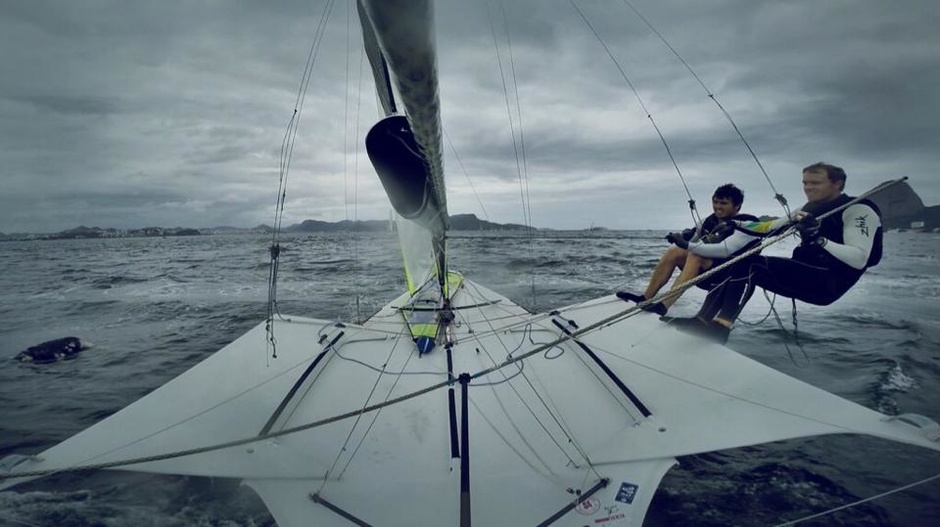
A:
127, 114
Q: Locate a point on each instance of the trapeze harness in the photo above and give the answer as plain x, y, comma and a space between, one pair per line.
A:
812, 275
716, 230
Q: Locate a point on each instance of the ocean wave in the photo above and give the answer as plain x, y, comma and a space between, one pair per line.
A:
736, 493
892, 381
107, 282
773, 332
896, 380
872, 321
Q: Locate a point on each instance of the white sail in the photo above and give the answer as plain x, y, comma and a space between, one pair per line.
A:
406, 150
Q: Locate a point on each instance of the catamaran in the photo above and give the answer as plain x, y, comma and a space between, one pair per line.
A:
453, 405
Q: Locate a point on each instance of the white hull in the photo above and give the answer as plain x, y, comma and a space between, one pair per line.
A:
562, 425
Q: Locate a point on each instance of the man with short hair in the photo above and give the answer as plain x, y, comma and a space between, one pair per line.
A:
832, 255
696, 250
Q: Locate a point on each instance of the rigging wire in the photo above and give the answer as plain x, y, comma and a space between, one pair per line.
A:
796, 333
18, 521
375, 416
499, 433
513, 424
772, 299
527, 203
777, 195
522, 400
553, 414
357, 264
506, 98
692, 208
518, 147
286, 154
359, 317
772, 311
858, 502
465, 173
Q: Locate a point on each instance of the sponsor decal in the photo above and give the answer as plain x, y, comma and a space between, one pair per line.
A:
611, 518
626, 493
588, 507
862, 224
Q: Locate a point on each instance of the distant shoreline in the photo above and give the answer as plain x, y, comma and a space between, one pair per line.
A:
454, 234
925, 219
458, 222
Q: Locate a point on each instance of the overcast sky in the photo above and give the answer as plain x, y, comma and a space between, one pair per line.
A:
129, 114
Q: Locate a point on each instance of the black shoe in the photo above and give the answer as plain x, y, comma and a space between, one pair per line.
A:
710, 330
627, 296
659, 308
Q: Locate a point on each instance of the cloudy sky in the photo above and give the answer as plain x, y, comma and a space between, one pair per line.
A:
128, 114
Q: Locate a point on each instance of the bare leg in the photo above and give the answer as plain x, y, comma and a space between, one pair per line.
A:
673, 257
693, 264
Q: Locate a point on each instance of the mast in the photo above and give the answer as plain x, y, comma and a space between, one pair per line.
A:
406, 150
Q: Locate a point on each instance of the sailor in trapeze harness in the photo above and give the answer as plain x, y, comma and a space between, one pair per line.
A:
832, 255
698, 249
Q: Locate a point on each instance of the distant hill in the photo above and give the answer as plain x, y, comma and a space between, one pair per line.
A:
930, 217
900, 206
469, 222
339, 226
458, 222
228, 229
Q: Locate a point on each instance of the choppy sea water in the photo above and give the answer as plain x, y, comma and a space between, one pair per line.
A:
154, 307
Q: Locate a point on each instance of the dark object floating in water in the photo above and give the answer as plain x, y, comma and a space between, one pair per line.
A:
53, 350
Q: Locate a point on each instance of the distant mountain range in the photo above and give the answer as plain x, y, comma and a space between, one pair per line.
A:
459, 222
900, 206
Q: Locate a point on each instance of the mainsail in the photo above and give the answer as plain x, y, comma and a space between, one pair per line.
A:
406, 149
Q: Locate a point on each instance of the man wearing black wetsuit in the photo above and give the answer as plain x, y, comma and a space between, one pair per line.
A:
696, 250
832, 255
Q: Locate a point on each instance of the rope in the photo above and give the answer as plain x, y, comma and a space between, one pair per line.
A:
20, 522
526, 405
355, 185
778, 196
286, 154
551, 412
694, 211
375, 416
358, 264
518, 147
466, 174
858, 502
